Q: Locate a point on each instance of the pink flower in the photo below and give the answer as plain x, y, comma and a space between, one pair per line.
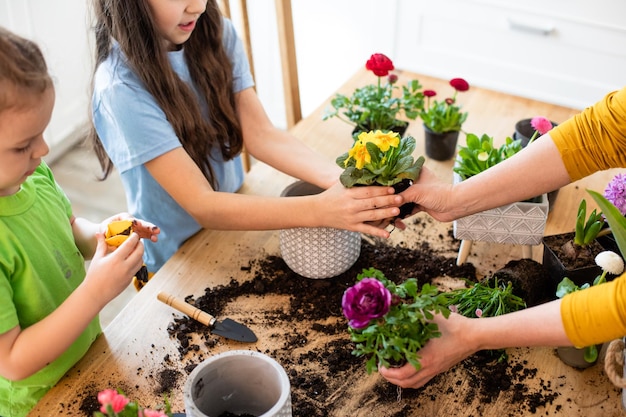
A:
366, 300
479, 312
111, 397
541, 124
454, 308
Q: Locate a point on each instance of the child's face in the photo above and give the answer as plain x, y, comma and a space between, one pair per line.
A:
21, 140
176, 19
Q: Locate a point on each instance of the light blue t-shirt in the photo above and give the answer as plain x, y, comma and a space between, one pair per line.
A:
134, 130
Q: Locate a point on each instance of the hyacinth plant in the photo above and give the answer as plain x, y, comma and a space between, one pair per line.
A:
541, 126
115, 404
611, 263
378, 106
441, 116
390, 322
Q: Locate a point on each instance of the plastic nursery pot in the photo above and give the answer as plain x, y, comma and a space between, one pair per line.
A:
238, 382
440, 146
317, 252
575, 357
559, 270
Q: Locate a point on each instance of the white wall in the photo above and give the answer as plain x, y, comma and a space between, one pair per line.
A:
60, 28
334, 38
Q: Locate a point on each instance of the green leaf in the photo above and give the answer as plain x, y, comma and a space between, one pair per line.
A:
591, 354
616, 221
566, 286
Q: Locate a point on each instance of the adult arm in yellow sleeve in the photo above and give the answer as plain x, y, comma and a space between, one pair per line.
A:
591, 141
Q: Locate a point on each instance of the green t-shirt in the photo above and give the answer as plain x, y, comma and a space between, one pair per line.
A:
40, 266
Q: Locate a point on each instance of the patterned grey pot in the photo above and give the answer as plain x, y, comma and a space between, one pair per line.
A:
239, 382
317, 252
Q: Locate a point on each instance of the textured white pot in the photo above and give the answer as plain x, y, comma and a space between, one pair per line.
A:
317, 252
518, 223
239, 382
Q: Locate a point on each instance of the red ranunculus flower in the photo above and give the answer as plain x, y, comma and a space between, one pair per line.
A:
430, 93
459, 84
366, 300
379, 64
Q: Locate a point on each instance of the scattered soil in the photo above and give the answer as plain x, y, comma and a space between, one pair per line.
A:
316, 348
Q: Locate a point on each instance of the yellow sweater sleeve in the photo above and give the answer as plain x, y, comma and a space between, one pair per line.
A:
596, 314
595, 139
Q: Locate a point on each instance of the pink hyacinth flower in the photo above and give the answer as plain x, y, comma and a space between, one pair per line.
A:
541, 124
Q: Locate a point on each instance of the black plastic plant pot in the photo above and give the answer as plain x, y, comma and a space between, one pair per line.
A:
407, 208
524, 131
558, 271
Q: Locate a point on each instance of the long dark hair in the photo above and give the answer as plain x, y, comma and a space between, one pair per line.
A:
131, 24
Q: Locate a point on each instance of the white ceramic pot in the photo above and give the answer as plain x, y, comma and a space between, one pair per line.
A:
239, 382
521, 223
317, 252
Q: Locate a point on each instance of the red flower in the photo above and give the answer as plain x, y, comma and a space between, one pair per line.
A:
459, 84
379, 64
392, 78
430, 93
450, 101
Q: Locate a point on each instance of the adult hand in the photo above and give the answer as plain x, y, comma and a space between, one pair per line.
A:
438, 355
430, 195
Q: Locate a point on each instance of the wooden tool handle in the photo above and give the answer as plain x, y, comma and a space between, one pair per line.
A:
186, 308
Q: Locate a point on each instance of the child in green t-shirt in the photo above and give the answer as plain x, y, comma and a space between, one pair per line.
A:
49, 303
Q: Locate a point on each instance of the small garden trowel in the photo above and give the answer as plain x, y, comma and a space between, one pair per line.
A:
227, 328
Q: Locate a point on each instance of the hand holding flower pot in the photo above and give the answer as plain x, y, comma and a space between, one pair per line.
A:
379, 158
376, 107
390, 322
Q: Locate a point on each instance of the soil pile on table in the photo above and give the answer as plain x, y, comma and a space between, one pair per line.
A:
316, 349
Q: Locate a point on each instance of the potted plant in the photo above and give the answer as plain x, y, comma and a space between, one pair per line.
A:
379, 106
527, 130
443, 121
609, 263
390, 322
572, 254
379, 158
520, 223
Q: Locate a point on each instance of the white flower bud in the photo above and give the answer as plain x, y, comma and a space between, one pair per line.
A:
610, 262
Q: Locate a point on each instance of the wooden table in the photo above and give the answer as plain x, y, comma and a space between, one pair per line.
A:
135, 343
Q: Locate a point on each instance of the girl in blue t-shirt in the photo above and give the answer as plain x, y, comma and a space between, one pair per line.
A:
50, 304
173, 107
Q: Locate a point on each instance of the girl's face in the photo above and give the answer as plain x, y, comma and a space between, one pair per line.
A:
21, 140
176, 19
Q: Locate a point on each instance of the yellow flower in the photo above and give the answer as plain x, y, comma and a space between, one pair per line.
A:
382, 140
360, 155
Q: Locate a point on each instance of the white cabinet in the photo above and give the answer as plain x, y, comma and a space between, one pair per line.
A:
60, 28
567, 52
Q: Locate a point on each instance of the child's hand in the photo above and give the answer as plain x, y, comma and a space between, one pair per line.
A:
110, 273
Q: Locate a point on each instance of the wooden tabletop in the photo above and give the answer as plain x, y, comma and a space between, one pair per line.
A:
130, 352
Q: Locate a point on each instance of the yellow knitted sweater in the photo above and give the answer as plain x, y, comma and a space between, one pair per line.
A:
591, 141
